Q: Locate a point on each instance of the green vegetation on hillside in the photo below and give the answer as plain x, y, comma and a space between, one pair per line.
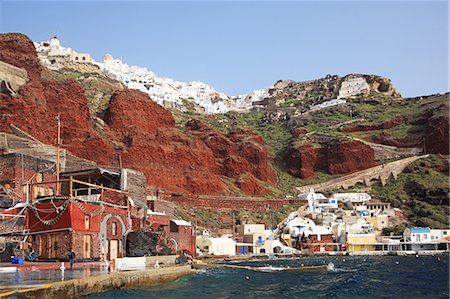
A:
421, 192
214, 219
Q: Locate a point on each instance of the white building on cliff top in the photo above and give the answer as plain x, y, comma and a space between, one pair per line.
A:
165, 91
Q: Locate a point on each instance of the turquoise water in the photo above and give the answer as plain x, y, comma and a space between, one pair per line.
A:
353, 277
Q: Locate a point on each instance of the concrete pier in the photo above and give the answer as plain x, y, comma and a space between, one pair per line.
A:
102, 283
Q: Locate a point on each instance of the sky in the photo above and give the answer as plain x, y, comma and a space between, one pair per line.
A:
237, 47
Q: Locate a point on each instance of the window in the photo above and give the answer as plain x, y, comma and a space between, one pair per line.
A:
39, 177
425, 236
84, 58
86, 222
114, 228
76, 58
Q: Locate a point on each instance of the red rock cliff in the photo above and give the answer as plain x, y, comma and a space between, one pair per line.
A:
140, 132
241, 155
333, 157
39, 101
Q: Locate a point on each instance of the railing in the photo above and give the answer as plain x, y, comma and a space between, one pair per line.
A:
71, 182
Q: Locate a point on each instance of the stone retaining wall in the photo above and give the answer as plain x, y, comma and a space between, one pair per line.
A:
233, 203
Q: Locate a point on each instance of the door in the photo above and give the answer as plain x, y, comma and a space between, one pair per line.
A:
54, 246
113, 249
87, 240
43, 246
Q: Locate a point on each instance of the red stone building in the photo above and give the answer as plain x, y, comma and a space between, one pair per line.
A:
318, 243
92, 219
92, 213
182, 235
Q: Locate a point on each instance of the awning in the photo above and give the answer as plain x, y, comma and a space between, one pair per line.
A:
181, 222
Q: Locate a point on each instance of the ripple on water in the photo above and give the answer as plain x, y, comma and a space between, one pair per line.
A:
356, 277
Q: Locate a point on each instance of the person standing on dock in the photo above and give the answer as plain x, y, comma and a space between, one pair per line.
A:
72, 257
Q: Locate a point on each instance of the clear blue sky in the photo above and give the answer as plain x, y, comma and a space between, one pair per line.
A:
240, 46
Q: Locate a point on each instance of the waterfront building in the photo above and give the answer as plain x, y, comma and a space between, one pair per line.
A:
216, 246
361, 242
245, 248
271, 246
317, 239
92, 214
252, 233
417, 234
182, 235
90, 210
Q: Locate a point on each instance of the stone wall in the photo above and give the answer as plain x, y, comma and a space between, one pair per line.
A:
164, 206
12, 76
233, 203
136, 185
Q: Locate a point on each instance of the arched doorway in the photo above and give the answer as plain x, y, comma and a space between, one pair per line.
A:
112, 232
277, 249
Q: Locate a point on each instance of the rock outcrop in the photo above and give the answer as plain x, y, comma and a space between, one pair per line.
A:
18, 50
134, 132
347, 156
150, 143
303, 161
241, 155
332, 156
437, 135
382, 85
39, 102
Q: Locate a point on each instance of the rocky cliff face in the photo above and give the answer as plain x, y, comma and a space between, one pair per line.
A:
135, 130
40, 101
241, 155
302, 95
347, 156
334, 156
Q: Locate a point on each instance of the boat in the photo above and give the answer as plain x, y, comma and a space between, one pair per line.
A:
277, 269
202, 265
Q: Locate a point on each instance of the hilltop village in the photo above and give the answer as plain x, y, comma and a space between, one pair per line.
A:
170, 93
122, 182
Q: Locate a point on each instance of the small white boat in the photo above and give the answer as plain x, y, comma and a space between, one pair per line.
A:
8, 269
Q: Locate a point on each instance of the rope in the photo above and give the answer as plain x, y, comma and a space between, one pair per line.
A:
50, 222
83, 209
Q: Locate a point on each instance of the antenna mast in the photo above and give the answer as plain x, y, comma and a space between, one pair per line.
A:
58, 153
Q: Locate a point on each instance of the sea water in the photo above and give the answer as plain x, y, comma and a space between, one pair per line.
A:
352, 277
